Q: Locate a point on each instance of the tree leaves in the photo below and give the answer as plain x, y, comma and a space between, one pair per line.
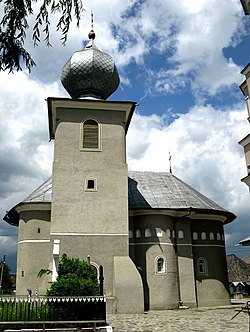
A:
75, 278
14, 24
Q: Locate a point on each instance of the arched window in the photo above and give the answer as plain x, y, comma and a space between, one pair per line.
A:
173, 233
148, 232
211, 236
218, 236
168, 232
180, 234
130, 234
195, 236
160, 265
203, 236
90, 135
159, 232
138, 233
202, 267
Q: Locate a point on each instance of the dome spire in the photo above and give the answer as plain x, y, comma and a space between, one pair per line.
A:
92, 33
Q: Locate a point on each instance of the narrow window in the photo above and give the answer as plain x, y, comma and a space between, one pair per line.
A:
180, 234
22, 274
168, 232
90, 135
218, 236
130, 234
160, 265
90, 185
138, 233
38, 230
202, 266
211, 236
148, 232
195, 236
203, 236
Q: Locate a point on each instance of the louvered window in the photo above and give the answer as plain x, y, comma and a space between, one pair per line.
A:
90, 135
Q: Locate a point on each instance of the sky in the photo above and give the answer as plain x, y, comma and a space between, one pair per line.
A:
181, 61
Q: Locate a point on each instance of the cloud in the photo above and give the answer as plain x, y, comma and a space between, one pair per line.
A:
203, 145
188, 42
24, 149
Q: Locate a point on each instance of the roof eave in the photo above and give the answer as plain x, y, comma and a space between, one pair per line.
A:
191, 213
53, 103
12, 217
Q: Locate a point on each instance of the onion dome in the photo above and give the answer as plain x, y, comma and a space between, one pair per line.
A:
90, 73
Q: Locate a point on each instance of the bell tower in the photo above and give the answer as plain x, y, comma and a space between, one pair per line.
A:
89, 208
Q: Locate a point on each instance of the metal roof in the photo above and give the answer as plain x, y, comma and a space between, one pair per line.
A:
90, 72
164, 191
146, 191
41, 194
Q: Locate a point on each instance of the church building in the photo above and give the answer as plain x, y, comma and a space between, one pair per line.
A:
161, 243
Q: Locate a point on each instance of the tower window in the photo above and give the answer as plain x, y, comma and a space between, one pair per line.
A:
90, 135
90, 185
39, 230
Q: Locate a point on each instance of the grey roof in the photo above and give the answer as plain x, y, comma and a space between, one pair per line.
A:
90, 73
41, 194
150, 190
164, 191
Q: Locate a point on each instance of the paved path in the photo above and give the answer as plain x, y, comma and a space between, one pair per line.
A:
182, 320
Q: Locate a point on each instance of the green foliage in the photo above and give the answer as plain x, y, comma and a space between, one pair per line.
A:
75, 278
14, 24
